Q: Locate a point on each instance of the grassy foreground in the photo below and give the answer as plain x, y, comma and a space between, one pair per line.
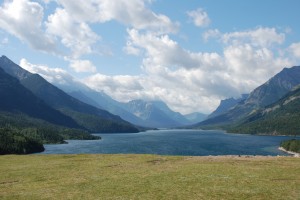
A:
148, 177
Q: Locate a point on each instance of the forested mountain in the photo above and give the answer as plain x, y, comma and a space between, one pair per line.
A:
15, 98
87, 116
27, 122
279, 118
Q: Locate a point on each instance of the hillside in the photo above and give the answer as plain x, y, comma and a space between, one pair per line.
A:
226, 105
80, 112
280, 118
15, 98
28, 120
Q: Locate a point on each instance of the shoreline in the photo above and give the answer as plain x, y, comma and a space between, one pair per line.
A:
294, 154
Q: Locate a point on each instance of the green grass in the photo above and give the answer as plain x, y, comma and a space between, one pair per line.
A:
148, 177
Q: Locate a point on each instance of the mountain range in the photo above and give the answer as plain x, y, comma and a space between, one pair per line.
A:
15, 98
155, 113
281, 117
226, 105
84, 115
266, 109
143, 113
85, 109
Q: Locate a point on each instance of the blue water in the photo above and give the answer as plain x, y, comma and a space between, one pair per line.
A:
173, 142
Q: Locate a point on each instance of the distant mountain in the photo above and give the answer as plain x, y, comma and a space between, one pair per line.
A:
279, 118
90, 117
97, 99
82, 97
226, 105
15, 98
195, 117
151, 113
176, 116
106, 102
264, 95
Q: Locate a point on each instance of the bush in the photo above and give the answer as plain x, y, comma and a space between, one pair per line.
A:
291, 145
13, 142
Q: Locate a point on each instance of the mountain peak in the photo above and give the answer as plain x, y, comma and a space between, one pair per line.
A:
13, 69
276, 87
266, 94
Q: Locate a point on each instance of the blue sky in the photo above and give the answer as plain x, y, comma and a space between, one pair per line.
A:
190, 54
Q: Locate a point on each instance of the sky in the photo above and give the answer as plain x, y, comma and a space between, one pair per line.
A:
189, 54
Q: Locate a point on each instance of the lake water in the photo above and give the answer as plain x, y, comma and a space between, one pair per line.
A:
173, 142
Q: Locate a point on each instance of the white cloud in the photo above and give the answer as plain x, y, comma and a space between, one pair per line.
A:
121, 87
132, 13
131, 49
212, 33
23, 19
186, 80
53, 75
295, 49
258, 37
191, 81
77, 36
71, 23
56, 76
82, 66
165, 52
200, 17
250, 66
248, 60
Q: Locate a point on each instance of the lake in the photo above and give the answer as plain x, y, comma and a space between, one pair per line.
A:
173, 142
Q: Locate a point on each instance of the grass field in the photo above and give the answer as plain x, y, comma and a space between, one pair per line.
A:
148, 177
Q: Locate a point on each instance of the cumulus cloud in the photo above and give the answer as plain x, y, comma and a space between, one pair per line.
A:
212, 33
247, 61
295, 49
75, 35
82, 66
132, 13
186, 80
261, 36
121, 87
200, 17
56, 76
71, 22
193, 81
24, 19
162, 51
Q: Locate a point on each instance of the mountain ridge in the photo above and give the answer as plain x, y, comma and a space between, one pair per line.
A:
267, 93
279, 118
16, 98
63, 102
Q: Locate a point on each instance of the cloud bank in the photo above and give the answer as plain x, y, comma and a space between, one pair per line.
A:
187, 80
